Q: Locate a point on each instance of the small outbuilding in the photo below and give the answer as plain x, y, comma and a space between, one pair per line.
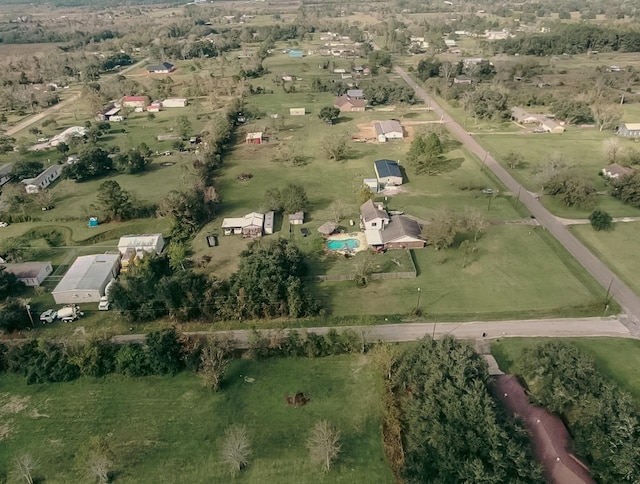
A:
32, 274
175, 102
296, 218
254, 138
296, 53
134, 101
269, 218
87, 278
297, 111
388, 130
163, 68
629, 130
372, 184
328, 228
388, 172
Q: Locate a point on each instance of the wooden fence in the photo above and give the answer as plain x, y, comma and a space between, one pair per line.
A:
374, 276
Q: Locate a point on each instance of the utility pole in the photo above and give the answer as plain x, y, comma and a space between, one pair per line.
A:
489, 207
28, 306
518, 198
418, 303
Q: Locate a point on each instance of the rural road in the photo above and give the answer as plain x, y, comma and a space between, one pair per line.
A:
57, 107
618, 289
569, 328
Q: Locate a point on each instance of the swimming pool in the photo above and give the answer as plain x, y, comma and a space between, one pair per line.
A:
345, 244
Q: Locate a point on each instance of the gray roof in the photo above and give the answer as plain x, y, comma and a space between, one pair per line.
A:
383, 127
369, 211
616, 169
5, 169
400, 226
160, 67
43, 175
26, 270
355, 93
385, 168
88, 272
296, 216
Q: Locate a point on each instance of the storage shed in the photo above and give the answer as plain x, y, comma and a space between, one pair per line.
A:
296, 218
32, 274
297, 111
152, 243
388, 172
268, 222
87, 278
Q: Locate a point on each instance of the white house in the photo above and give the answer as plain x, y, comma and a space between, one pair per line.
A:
5, 173
43, 180
87, 279
67, 134
32, 274
249, 226
174, 102
152, 243
386, 130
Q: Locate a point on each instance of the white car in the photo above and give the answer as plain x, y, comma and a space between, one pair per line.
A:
4, 224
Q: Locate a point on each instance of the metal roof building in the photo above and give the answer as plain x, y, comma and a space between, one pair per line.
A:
388, 172
86, 279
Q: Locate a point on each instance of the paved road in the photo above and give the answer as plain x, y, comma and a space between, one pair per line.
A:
574, 328
57, 107
585, 221
629, 301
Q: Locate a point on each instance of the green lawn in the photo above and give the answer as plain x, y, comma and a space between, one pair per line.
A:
618, 359
617, 248
169, 429
517, 272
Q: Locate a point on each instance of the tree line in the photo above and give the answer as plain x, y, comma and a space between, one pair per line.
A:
452, 430
602, 419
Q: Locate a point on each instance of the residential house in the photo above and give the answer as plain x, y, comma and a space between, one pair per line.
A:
43, 180
254, 138
134, 101
174, 102
629, 130
32, 274
296, 218
545, 124
449, 42
402, 233
297, 111
339, 70
152, 243
355, 93
108, 113
387, 130
296, 53
496, 34
388, 172
614, 171
249, 226
67, 134
418, 42
163, 68
5, 173
372, 216
269, 218
87, 279
154, 107
349, 105
471, 61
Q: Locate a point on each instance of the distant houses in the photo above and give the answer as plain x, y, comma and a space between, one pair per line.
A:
388, 130
629, 130
163, 68
250, 226
544, 123
43, 180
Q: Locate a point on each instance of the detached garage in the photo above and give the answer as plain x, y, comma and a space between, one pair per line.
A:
86, 279
388, 172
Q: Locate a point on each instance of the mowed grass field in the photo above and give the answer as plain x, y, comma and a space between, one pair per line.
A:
618, 359
583, 149
617, 248
517, 272
171, 429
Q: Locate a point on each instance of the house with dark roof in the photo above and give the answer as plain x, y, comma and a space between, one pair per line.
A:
402, 233
347, 104
388, 172
164, 68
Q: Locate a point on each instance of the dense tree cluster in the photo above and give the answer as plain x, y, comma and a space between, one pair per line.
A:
378, 93
603, 420
572, 39
453, 430
92, 161
627, 188
573, 188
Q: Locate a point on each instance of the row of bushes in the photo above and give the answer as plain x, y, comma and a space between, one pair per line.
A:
163, 353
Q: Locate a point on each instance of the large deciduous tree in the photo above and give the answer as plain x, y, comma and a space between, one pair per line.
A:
627, 188
329, 114
9, 284
114, 202
427, 154
335, 146
92, 161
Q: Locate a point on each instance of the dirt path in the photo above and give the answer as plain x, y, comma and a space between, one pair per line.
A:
615, 286
574, 328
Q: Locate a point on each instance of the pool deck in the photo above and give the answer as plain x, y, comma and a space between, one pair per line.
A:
353, 235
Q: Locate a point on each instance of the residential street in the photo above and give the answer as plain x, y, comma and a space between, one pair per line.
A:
574, 328
619, 290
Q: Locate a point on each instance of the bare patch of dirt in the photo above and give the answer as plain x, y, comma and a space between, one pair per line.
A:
5, 430
80, 331
297, 400
35, 414
12, 403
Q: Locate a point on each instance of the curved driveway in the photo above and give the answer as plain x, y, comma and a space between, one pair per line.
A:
619, 290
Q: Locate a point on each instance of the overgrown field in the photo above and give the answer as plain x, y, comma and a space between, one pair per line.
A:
170, 429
